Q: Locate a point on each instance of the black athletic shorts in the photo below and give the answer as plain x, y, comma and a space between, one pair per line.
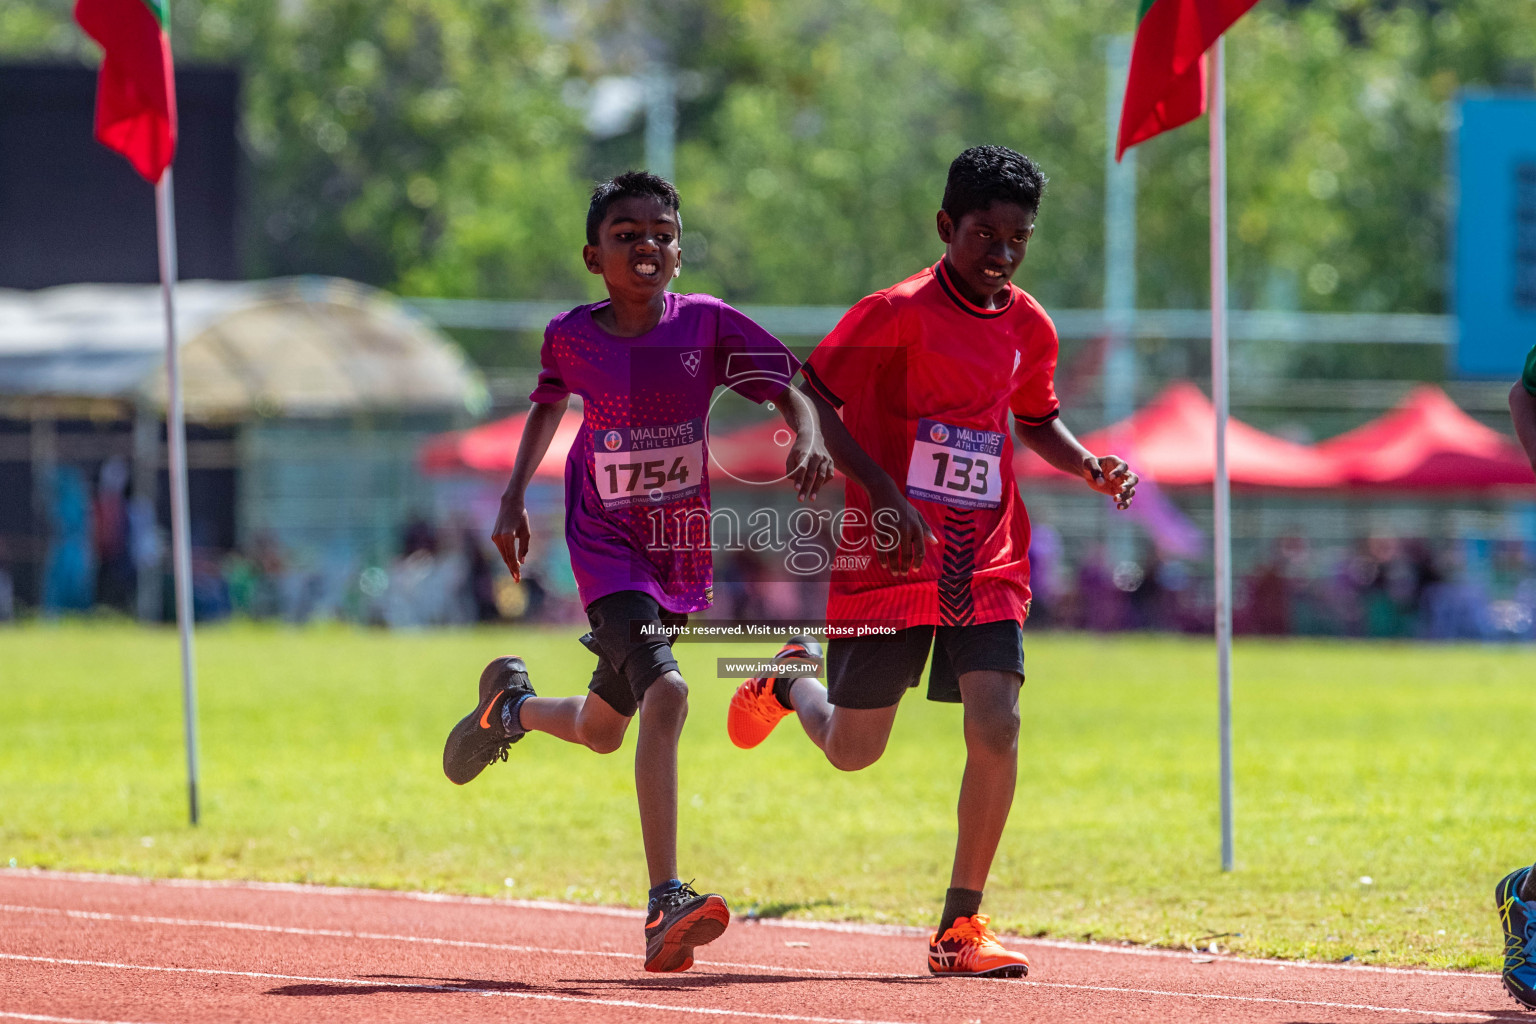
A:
874, 672
627, 662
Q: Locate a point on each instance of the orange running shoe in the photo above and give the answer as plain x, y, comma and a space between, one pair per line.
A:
754, 709
970, 950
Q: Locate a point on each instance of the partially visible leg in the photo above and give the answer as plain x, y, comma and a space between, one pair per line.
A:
588, 720
852, 738
964, 944
991, 772
850, 718
663, 710
678, 917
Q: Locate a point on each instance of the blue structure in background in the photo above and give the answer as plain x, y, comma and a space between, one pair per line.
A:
1495, 265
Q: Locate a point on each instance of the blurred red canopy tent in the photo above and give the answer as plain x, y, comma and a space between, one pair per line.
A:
750, 455
754, 454
1173, 441
492, 448
1426, 443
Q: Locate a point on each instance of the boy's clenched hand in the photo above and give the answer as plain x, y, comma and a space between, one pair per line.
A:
1109, 474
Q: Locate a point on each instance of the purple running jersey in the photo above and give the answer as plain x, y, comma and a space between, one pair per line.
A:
637, 480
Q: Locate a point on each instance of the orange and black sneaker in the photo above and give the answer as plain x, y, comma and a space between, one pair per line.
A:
678, 921
755, 709
480, 738
970, 950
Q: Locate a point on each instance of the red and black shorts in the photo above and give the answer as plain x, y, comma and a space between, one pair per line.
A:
874, 672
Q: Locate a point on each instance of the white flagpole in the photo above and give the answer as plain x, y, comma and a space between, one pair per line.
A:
1219, 395
176, 439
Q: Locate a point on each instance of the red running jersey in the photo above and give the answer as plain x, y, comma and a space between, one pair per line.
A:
925, 382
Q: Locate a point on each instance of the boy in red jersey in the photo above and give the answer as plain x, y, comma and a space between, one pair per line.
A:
924, 375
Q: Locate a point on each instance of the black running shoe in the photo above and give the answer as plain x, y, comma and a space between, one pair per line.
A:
480, 739
677, 922
1519, 924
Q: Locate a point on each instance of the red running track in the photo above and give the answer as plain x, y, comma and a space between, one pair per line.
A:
101, 948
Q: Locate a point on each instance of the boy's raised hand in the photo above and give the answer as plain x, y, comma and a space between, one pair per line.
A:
1109, 474
511, 534
809, 466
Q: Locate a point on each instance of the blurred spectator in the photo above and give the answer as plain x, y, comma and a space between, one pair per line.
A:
7, 597
418, 536
69, 570
115, 570
741, 585
147, 552
1155, 603
1101, 603
429, 584
1046, 568
210, 592
482, 580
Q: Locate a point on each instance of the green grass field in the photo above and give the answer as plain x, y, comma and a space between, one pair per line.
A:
1403, 764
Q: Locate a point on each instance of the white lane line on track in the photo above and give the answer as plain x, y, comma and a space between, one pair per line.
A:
707, 1011
1454, 1014
58, 1020
717, 1012
580, 908
502, 947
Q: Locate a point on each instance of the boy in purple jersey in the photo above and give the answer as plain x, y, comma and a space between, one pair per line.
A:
646, 364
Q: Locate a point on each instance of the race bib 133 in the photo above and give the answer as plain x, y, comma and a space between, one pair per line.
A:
958, 466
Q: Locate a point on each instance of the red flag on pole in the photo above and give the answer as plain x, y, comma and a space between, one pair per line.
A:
135, 91
1166, 84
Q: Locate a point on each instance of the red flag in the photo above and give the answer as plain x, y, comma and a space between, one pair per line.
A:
135, 91
1166, 84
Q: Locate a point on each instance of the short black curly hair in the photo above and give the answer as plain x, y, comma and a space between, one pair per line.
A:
623, 186
983, 175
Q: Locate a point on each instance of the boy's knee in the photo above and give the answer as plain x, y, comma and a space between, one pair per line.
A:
600, 740
994, 728
668, 694
855, 756
601, 734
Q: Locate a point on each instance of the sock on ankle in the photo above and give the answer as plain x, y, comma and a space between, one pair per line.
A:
512, 714
958, 903
670, 885
1528, 887
781, 687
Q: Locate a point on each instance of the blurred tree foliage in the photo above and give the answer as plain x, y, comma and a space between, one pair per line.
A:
438, 146
416, 144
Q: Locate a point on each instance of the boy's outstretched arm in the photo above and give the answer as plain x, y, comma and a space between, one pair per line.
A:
1522, 409
511, 534
1106, 474
885, 495
809, 465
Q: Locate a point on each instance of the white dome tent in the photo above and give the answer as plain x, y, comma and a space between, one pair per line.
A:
305, 399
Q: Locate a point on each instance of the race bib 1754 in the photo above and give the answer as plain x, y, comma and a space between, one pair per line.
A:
639, 465
956, 465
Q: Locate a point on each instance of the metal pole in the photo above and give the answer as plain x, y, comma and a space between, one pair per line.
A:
1220, 396
176, 438
1119, 379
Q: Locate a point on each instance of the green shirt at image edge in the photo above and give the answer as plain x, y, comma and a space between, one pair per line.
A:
1528, 378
